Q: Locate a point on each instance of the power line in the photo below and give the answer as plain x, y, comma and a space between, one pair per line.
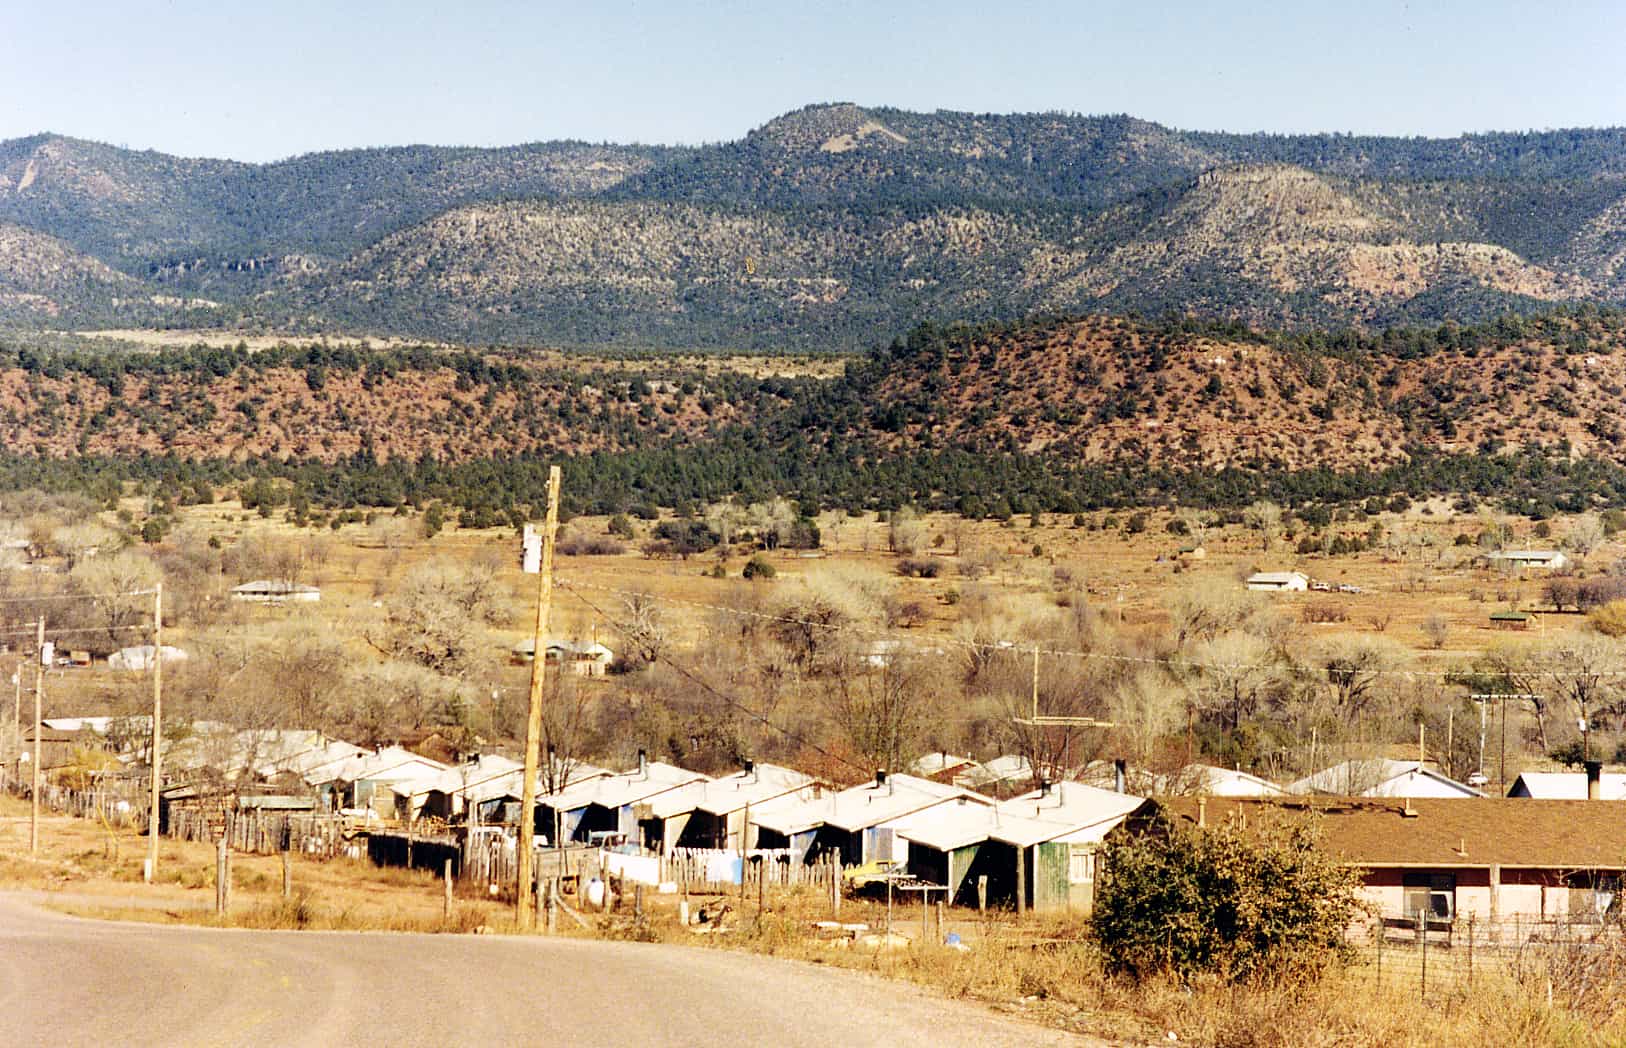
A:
76, 629
76, 596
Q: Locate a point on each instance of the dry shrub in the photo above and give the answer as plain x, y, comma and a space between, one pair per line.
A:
1610, 619
1325, 611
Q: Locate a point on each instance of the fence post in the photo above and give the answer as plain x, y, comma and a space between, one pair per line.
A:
1381, 930
835, 887
1470, 949
446, 899
982, 896
1422, 937
222, 872
287, 874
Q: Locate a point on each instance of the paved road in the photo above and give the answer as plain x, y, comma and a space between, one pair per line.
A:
67, 981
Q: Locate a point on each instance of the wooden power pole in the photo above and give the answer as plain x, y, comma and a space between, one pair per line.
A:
34, 793
525, 901
157, 761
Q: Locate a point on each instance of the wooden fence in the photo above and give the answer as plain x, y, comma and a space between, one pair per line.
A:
316, 836
116, 804
124, 804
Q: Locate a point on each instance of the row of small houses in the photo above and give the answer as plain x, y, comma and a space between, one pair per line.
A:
1555, 848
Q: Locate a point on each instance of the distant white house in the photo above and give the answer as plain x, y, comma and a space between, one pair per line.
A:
1381, 777
590, 659
1542, 559
1278, 581
140, 657
276, 591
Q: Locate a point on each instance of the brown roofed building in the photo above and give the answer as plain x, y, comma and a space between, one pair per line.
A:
1498, 859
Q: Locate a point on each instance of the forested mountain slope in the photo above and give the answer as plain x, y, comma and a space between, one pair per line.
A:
834, 227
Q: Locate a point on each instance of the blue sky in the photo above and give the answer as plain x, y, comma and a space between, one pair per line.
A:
266, 80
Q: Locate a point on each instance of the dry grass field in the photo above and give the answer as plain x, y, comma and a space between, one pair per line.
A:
1426, 599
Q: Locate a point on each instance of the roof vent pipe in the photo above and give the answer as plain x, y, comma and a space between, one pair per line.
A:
750, 768
1118, 776
880, 776
643, 763
1202, 812
1594, 780
1044, 787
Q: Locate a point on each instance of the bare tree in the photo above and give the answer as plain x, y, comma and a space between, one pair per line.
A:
643, 631
1264, 517
1355, 667
1514, 668
1210, 605
1196, 522
110, 582
1585, 535
1231, 671
438, 613
905, 531
881, 711
1584, 673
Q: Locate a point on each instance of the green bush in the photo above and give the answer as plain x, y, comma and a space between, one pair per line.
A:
1254, 902
758, 567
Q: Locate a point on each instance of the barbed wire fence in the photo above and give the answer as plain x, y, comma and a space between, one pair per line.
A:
1568, 956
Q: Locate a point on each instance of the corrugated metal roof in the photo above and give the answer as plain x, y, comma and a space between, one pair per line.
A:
861, 807
628, 787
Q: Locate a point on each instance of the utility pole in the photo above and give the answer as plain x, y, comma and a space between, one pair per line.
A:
157, 728
525, 902
34, 794
1501, 697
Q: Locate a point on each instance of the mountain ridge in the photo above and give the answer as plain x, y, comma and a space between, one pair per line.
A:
866, 219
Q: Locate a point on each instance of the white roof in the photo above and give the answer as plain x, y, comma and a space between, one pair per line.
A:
556, 646
628, 787
1276, 576
1071, 810
139, 657
1086, 812
391, 764
933, 763
274, 587
460, 777
1527, 554
731, 793
304, 761
860, 807
512, 784
99, 725
1000, 769
951, 824
1381, 777
1567, 785
1220, 782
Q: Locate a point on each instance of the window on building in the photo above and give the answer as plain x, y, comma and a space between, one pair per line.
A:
1431, 893
1080, 865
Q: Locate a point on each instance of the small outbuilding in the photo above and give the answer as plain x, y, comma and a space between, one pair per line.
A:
1510, 620
276, 591
1539, 559
1278, 581
141, 657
